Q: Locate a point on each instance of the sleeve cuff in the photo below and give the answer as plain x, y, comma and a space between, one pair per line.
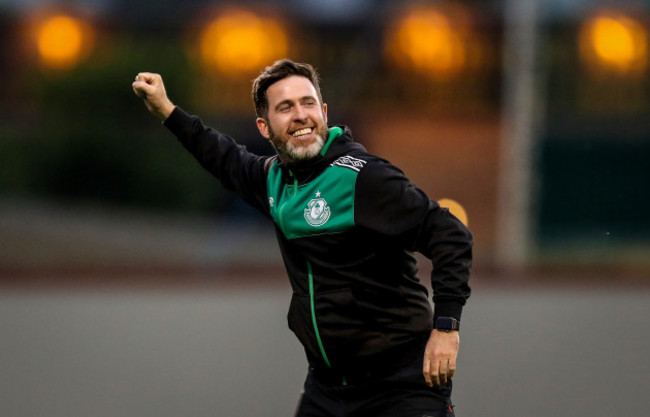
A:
446, 308
177, 120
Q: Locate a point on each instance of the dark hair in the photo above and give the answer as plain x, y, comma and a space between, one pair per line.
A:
280, 70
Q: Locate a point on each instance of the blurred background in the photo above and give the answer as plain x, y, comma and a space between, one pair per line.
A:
132, 283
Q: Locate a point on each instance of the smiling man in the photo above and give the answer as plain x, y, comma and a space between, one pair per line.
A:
347, 223
296, 124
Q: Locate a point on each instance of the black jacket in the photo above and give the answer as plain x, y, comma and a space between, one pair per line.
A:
347, 223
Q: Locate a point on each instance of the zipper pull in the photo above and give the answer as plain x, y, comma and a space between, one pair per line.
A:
295, 182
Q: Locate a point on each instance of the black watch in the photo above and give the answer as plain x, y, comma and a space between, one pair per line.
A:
446, 324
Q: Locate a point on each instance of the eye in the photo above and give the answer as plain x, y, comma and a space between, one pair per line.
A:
284, 108
309, 103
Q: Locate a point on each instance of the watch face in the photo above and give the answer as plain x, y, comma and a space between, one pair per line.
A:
446, 323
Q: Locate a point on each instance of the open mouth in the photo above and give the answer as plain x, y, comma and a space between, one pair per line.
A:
302, 132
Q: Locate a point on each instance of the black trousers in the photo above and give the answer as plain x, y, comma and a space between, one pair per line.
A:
402, 394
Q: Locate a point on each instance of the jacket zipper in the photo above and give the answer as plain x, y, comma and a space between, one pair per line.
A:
310, 276
312, 303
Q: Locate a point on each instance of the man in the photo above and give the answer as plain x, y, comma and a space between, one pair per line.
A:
347, 223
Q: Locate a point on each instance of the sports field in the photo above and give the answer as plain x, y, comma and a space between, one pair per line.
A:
224, 350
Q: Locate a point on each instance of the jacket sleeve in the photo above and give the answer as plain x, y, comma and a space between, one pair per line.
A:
237, 169
388, 203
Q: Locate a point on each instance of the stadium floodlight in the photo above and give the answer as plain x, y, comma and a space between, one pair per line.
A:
239, 42
429, 40
613, 43
456, 209
62, 41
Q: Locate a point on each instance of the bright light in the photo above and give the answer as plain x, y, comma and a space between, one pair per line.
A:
240, 42
427, 41
614, 43
62, 41
456, 209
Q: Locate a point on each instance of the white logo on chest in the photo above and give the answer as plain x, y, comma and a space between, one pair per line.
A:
317, 212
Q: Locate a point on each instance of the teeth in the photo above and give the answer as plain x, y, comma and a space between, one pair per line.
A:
301, 132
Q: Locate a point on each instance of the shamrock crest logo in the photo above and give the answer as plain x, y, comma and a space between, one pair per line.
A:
317, 212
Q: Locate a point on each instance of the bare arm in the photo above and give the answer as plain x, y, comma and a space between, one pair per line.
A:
150, 88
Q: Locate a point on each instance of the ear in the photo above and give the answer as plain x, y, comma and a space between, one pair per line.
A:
325, 113
263, 127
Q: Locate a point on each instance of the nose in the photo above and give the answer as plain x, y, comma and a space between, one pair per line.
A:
300, 114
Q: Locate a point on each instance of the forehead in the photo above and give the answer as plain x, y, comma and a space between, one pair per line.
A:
291, 88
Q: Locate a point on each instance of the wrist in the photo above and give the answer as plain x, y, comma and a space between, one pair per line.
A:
167, 111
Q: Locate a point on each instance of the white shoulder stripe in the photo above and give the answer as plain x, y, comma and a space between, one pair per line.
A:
354, 164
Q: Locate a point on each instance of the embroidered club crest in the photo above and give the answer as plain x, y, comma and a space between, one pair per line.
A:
317, 212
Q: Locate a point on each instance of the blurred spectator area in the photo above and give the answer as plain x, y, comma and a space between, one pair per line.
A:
420, 83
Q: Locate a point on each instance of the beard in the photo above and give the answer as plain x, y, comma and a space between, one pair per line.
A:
290, 152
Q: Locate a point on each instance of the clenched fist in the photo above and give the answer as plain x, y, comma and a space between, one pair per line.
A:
150, 88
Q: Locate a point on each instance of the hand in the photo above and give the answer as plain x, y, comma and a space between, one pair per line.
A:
149, 87
440, 357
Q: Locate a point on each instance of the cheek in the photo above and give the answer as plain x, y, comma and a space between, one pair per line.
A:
277, 124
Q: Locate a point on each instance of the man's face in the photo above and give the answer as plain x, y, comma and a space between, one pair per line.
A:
296, 123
